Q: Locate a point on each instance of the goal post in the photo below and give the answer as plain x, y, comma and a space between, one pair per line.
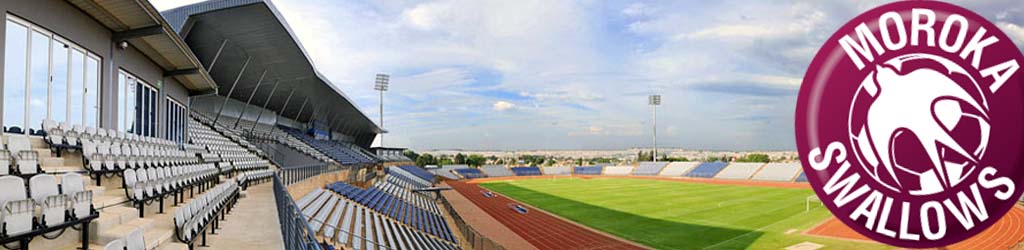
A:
812, 202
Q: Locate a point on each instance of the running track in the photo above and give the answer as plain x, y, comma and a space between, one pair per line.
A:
541, 229
1004, 234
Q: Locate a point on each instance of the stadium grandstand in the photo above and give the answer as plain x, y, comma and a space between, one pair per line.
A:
158, 130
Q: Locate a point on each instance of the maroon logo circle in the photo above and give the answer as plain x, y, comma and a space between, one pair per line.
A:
908, 124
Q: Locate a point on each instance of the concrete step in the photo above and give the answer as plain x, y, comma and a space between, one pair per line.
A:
112, 217
58, 169
159, 237
50, 160
173, 246
109, 198
122, 231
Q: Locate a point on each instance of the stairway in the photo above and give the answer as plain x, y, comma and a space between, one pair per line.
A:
117, 217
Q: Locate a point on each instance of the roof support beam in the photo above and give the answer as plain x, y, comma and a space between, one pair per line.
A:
282, 110
250, 98
139, 32
233, 85
258, 117
209, 69
303, 108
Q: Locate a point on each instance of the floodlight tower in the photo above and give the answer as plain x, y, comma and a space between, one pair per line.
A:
381, 84
654, 101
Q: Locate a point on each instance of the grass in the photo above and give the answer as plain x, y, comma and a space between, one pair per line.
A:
681, 215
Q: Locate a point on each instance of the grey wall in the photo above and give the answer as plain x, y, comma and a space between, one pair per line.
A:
71, 23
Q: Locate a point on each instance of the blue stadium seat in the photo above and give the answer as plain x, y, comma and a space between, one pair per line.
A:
802, 177
526, 171
588, 170
707, 169
470, 173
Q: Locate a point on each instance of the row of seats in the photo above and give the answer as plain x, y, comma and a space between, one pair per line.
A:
192, 219
469, 173
408, 180
46, 206
354, 226
496, 171
247, 178
17, 156
144, 185
230, 152
721, 170
526, 171
343, 153
415, 172
383, 199
649, 168
132, 152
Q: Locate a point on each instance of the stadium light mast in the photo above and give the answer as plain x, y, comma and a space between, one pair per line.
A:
381, 84
654, 101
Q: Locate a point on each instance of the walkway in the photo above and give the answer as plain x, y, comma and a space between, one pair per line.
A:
252, 224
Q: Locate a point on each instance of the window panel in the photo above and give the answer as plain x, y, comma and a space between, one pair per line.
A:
77, 86
59, 86
15, 65
39, 79
92, 91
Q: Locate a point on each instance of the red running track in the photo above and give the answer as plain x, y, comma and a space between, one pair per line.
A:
542, 230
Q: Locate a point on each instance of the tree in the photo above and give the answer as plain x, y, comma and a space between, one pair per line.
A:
754, 158
445, 161
425, 159
412, 155
475, 160
460, 158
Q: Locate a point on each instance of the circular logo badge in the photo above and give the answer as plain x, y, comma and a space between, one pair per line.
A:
909, 121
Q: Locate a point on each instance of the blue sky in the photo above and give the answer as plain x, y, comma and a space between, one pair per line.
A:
541, 74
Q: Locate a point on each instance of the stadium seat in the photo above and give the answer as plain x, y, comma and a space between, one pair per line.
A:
739, 170
18, 211
707, 169
588, 170
73, 186
117, 244
526, 171
676, 169
46, 193
26, 159
135, 240
649, 168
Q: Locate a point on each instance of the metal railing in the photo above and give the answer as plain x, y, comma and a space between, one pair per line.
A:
292, 175
295, 230
473, 238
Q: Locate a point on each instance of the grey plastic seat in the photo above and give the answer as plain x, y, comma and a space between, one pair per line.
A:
17, 210
73, 186
26, 159
117, 244
135, 240
46, 193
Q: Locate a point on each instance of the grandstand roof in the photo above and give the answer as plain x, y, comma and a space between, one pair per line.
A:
140, 24
254, 31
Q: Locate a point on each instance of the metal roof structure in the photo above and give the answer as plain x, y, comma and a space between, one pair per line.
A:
253, 55
140, 24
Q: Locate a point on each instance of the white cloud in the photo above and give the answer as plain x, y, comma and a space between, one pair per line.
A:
503, 105
1015, 32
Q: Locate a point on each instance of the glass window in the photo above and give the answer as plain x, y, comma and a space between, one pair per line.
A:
39, 78
92, 91
45, 78
15, 66
59, 86
77, 86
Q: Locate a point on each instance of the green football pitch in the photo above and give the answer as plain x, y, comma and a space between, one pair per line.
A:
681, 215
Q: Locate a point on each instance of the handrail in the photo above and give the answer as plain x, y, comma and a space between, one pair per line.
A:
292, 175
295, 230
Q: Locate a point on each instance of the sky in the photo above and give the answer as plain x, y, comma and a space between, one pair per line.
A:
542, 74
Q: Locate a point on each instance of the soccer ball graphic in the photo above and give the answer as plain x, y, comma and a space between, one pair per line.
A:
919, 124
